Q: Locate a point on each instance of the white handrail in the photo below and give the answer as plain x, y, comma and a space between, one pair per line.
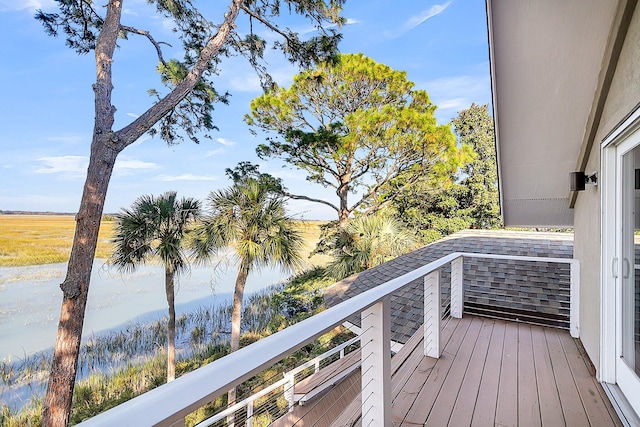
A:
167, 405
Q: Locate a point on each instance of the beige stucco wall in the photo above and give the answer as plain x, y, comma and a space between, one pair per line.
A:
623, 97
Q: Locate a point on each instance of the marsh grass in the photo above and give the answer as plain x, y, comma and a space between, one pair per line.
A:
47, 239
43, 239
120, 365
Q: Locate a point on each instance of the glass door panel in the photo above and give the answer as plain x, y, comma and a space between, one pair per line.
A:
628, 361
630, 313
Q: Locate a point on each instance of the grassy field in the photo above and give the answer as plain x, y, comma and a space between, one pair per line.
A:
47, 239
43, 239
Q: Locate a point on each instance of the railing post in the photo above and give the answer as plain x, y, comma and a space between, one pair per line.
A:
574, 299
249, 422
376, 364
289, 390
432, 314
457, 289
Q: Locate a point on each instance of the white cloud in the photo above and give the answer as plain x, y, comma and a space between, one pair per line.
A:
454, 104
31, 5
77, 165
142, 139
248, 81
225, 141
307, 30
472, 84
453, 94
214, 152
168, 24
185, 177
418, 19
74, 165
125, 165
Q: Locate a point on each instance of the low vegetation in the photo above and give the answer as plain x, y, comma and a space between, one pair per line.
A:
43, 239
46, 239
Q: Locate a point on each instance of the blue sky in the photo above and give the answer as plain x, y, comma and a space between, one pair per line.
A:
46, 113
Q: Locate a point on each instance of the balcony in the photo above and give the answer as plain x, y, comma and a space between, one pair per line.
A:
455, 368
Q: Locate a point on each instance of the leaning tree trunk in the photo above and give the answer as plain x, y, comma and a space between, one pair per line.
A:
75, 288
105, 147
236, 323
171, 328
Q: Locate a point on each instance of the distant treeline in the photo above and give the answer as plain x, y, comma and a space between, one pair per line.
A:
34, 213
44, 213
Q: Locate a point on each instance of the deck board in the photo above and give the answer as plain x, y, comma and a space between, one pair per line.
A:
443, 406
550, 407
572, 408
491, 373
463, 410
434, 381
488, 391
325, 375
416, 375
507, 404
528, 402
598, 410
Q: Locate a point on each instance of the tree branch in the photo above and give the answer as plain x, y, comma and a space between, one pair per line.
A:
265, 23
311, 199
150, 37
130, 133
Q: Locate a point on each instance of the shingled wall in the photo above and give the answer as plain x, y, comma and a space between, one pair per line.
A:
525, 291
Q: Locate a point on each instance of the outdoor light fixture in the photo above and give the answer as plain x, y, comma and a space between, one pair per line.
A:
578, 180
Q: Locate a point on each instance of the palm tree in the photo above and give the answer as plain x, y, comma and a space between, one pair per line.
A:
368, 241
249, 217
156, 229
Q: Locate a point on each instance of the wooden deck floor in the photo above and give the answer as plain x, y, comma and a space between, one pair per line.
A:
491, 373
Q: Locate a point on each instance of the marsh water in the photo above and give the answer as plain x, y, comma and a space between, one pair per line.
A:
30, 299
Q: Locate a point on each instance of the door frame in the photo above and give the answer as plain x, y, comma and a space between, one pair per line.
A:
611, 234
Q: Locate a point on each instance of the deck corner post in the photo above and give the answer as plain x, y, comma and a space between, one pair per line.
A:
376, 364
432, 314
574, 299
457, 287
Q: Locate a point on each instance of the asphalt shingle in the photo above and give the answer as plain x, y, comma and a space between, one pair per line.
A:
517, 289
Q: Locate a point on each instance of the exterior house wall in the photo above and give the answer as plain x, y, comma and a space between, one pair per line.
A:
622, 99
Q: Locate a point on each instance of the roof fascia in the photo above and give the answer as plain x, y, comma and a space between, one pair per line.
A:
615, 42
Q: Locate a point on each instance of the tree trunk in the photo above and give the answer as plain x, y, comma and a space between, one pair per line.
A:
75, 288
343, 195
236, 323
171, 328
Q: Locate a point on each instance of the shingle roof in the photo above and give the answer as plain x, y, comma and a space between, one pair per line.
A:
520, 288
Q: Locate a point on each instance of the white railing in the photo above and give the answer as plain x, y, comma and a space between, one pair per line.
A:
169, 404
